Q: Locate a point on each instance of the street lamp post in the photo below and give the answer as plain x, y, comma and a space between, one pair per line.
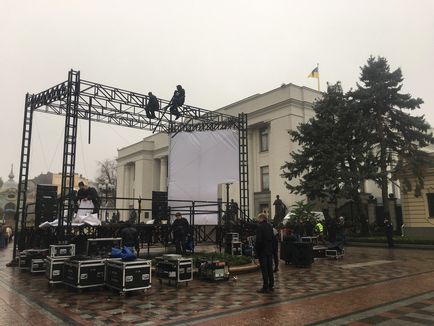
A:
227, 206
108, 187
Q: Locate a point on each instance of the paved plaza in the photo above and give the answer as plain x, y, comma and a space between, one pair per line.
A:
370, 286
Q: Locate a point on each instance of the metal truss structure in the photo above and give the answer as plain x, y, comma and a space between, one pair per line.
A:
80, 99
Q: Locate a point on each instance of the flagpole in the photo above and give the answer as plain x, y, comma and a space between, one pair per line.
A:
317, 67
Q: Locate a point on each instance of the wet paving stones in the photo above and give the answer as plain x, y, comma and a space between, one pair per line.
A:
364, 272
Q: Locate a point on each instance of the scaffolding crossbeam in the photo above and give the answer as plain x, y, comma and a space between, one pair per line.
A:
80, 99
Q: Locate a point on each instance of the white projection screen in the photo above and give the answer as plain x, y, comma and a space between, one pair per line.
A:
198, 163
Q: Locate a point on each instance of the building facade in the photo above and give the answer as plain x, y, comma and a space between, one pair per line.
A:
418, 208
142, 167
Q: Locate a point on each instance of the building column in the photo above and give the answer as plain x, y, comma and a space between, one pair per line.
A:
392, 212
139, 178
120, 185
372, 210
163, 173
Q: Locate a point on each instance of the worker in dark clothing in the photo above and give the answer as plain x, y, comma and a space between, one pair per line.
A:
341, 229
264, 251
309, 228
88, 193
152, 106
177, 100
180, 228
332, 228
133, 216
388, 228
130, 237
276, 250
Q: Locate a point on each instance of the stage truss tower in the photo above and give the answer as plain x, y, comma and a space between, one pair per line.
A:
81, 99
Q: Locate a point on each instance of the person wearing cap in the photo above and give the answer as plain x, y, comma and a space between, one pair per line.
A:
264, 252
180, 228
152, 106
177, 100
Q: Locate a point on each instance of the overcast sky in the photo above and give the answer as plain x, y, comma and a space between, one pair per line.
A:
220, 51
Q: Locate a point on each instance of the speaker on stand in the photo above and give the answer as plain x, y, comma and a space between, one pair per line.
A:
160, 208
46, 204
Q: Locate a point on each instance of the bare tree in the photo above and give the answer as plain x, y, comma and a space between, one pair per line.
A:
107, 172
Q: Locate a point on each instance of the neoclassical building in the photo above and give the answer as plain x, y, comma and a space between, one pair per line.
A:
142, 167
8, 200
418, 207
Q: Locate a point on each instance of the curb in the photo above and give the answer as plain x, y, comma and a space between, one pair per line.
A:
384, 245
236, 270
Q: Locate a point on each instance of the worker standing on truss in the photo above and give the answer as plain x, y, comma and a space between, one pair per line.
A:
152, 106
177, 100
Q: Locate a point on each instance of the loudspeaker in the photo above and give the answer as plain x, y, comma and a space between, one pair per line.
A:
302, 256
46, 204
160, 209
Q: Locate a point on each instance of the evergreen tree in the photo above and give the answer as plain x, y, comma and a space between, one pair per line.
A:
335, 154
397, 136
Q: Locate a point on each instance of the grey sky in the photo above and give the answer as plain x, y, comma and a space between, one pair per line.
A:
220, 51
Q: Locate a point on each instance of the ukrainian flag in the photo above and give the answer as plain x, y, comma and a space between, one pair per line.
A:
314, 73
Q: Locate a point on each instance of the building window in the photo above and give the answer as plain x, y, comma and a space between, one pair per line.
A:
265, 178
430, 200
263, 139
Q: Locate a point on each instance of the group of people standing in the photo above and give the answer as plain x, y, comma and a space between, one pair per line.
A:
177, 101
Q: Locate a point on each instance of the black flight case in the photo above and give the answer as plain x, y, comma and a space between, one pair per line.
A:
128, 275
84, 272
174, 268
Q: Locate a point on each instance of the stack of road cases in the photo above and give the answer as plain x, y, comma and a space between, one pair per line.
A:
232, 236
233, 245
37, 265
319, 251
30, 260
102, 247
62, 250
55, 261
128, 275
335, 250
313, 240
335, 253
23, 261
84, 272
174, 268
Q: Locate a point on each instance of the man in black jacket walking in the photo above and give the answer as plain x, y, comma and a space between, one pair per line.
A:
264, 252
